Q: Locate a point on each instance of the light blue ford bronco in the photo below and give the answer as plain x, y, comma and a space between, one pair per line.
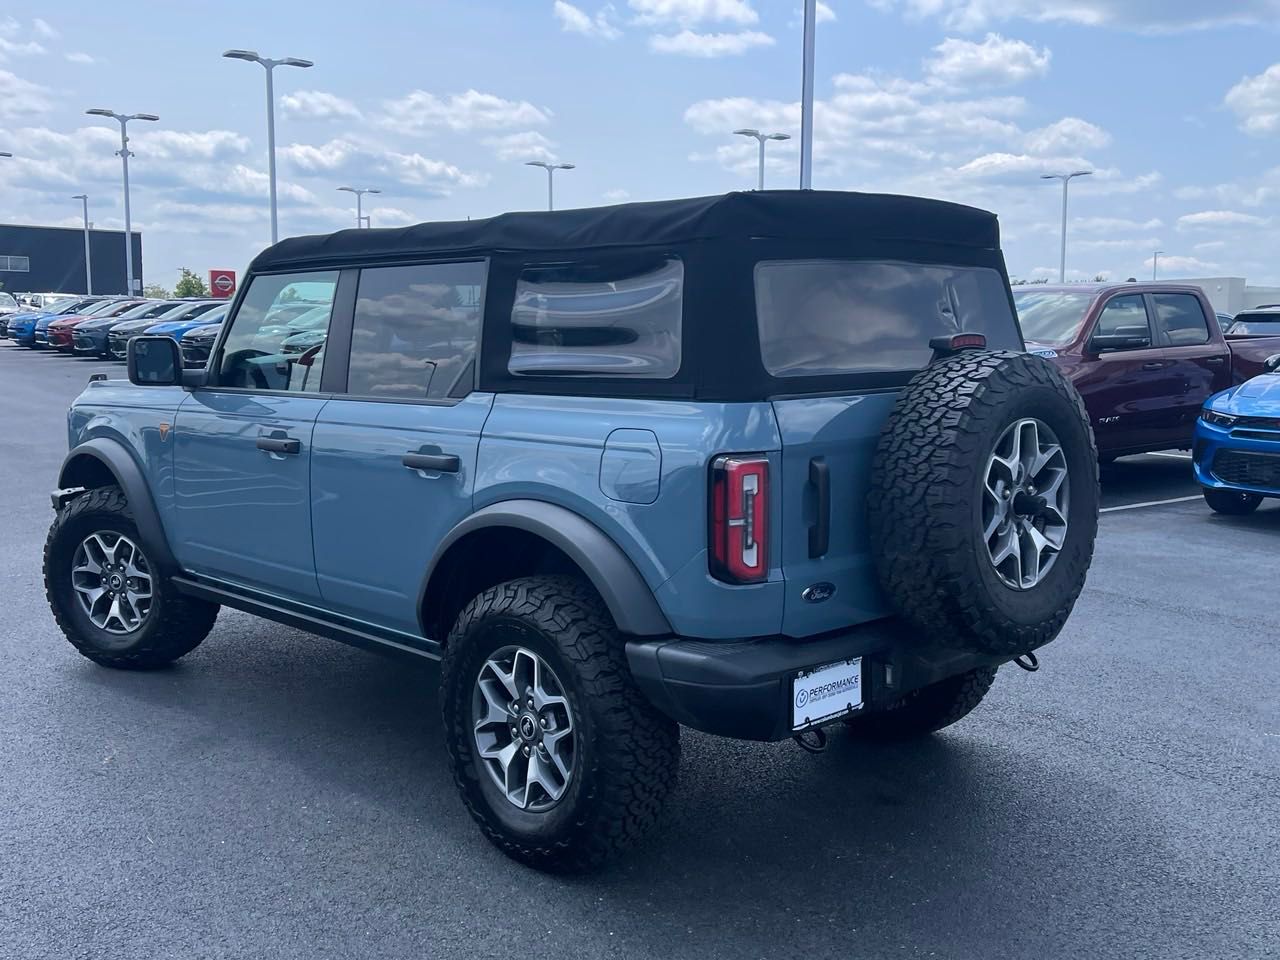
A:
753, 464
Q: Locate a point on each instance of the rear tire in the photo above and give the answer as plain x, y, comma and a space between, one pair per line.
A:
623, 756
1232, 503
157, 628
926, 710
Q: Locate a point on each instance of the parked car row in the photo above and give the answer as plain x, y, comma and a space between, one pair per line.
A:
103, 326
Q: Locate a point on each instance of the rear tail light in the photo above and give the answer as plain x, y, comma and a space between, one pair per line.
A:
740, 519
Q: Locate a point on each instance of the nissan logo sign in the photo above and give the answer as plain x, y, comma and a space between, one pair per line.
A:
223, 284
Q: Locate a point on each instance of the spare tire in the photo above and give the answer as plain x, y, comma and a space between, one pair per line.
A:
983, 506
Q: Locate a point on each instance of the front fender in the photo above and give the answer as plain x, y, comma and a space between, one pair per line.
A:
92, 462
614, 576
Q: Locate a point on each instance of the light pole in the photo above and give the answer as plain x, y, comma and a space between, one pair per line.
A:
124, 154
1155, 264
761, 137
360, 192
88, 263
806, 96
269, 65
551, 168
5, 153
1066, 178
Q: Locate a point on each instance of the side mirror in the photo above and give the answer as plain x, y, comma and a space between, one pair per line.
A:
155, 362
1272, 363
1117, 341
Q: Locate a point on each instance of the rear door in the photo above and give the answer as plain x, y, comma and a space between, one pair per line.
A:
844, 319
394, 453
242, 451
1131, 394
1201, 364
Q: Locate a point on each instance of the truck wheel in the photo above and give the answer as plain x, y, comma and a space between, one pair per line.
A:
1233, 503
927, 709
983, 506
108, 597
559, 757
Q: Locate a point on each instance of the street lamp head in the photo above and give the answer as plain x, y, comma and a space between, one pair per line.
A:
144, 116
372, 190
747, 132
538, 163
347, 189
296, 62
80, 196
779, 136
564, 166
5, 153
99, 112
250, 55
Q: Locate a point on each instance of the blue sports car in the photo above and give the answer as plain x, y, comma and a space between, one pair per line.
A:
1237, 444
176, 328
22, 326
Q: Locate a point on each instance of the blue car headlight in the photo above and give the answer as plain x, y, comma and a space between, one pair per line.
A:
1217, 419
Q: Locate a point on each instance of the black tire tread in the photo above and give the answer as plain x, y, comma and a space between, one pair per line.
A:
181, 622
639, 766
927, 457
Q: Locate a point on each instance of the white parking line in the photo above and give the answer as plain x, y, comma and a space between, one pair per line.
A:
1149, 503
1175, 456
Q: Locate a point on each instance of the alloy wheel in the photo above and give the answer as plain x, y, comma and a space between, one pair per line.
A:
112, 581
1026, 492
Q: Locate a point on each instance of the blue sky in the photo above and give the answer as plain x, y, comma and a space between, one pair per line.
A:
1175, 104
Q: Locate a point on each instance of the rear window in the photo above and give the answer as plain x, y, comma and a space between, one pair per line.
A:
1254, 323
599, 320
820, 317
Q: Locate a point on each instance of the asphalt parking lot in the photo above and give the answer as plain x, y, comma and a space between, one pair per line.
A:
280, 795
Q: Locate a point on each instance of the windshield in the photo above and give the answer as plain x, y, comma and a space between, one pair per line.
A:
7, 301
1051, 317
102, 309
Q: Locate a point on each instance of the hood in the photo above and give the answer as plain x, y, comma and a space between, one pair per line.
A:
209, 330
1259, 397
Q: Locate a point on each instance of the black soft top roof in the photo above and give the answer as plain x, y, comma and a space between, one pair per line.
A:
776, 214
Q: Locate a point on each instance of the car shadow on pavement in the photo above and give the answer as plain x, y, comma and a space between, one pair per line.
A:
952, 844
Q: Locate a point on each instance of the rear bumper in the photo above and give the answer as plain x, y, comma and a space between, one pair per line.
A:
1225, 460
742, 688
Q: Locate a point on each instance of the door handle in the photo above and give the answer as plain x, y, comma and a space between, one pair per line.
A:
1154, 365
820, 529
280, 445
1216, 361
438, 462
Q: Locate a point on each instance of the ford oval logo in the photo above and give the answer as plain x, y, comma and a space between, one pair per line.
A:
818, 592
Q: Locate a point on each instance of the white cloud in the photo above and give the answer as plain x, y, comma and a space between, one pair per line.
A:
575, 20
690, 13
391, 217
1256, 102
995, 62
1153, 16
825, 13
690, 44
318, 105
1110, 224
419, 111
1068, 134
1220, 218
528, 145
1174, 264
79, 57
342, 156
42, 27
19, 97
617, 195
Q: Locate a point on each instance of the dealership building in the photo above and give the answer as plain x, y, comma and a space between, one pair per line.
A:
1233, 294
51, 260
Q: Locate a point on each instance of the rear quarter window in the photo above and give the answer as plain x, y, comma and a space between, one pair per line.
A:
599, 320
833, 317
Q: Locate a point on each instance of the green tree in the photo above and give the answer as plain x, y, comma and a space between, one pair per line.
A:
156, 292
190, 285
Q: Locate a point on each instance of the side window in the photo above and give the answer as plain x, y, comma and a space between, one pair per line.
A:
415, 331
277, 335
1125, 316
1183, 319
601, 320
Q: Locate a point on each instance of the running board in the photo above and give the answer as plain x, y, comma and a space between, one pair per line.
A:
357, 634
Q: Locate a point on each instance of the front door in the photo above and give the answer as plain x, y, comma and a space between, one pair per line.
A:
394, 454
242, 446
1131, 394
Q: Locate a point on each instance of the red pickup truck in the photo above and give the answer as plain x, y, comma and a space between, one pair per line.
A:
1145, 356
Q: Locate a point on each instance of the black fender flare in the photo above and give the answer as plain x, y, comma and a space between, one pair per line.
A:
624, 591
117, 460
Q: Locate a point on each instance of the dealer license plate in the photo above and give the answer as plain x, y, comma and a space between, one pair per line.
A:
826, 692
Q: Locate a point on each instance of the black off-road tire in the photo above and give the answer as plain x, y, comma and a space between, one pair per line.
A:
926, 496
175, 624
627, 757
926, 710
1232, 503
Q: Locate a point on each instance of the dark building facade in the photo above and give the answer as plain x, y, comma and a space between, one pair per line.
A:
51, 259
